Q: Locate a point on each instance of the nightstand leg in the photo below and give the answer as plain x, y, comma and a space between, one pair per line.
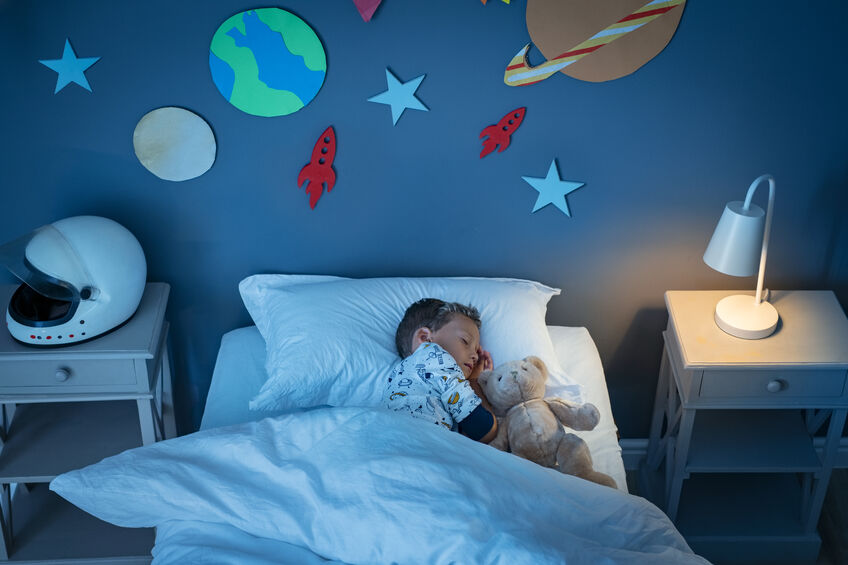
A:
655, 451
681, 454
146, 421
168, 395
834, 433
6, 521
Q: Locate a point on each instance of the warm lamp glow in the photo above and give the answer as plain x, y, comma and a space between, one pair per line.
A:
741, 234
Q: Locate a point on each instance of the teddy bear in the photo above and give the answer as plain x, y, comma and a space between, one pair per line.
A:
531, 426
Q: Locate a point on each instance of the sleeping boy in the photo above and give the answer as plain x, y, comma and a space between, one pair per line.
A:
437, 379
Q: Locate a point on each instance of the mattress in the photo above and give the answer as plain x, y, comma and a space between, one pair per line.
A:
240, 372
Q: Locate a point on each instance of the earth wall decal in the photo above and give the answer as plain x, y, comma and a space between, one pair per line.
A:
267, 62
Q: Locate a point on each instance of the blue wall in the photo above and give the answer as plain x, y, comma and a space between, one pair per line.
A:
744, 88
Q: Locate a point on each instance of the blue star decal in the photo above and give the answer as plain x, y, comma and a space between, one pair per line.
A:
70, 68
552, 189
400, 96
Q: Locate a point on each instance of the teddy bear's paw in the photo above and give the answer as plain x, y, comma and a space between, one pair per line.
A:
587, 417
580, 417
600, 478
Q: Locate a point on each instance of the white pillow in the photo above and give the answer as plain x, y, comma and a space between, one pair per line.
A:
332, 341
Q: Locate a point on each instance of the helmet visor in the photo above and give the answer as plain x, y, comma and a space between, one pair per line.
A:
47, 262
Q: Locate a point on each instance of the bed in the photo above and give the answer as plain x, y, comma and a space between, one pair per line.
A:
239, 373
339, 480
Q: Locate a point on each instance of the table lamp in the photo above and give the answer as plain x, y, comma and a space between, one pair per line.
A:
739, 238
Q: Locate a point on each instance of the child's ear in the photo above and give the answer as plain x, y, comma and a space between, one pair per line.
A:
421, 335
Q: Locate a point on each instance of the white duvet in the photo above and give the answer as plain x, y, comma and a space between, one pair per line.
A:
359, 485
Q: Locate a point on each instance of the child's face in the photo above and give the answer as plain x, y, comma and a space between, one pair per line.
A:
461, 338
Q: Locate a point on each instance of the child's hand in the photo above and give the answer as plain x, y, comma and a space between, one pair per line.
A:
486, 359
484, 363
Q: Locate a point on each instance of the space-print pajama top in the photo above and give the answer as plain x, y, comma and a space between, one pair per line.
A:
430, 385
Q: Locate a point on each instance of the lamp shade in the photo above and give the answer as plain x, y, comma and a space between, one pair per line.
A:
735, 246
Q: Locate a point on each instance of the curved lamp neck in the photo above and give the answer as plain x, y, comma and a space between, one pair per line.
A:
767, 229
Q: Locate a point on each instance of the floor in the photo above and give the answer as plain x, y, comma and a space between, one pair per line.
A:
833, 526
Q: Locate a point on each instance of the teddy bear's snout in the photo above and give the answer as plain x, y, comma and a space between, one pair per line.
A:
512, 380
524, 386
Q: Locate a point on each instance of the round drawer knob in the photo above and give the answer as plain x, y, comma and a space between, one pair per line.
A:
63, 374
775, 386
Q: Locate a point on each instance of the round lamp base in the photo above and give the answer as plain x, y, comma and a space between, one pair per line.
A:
741, 316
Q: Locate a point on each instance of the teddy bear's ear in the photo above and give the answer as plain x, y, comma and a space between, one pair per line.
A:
484, 378
538, 363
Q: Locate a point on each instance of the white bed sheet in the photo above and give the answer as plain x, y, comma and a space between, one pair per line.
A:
239, 374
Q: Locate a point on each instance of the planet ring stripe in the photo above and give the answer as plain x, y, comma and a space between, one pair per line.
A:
648, 13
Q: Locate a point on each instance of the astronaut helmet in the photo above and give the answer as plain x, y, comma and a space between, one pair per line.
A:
82, 276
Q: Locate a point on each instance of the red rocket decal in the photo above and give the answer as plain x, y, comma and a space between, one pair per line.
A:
319, 171
500, 133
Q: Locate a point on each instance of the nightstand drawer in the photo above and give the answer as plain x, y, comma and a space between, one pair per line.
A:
20, 376
772, 384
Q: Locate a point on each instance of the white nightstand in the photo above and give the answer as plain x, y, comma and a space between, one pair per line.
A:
735, 423
67, 407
